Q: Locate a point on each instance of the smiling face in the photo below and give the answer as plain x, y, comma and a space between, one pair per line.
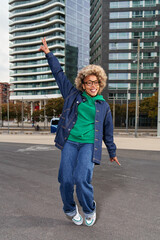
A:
91, 85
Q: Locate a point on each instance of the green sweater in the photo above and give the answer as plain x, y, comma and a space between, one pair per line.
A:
83, 130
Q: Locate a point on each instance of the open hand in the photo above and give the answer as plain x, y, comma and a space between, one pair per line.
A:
115, 159
44, 47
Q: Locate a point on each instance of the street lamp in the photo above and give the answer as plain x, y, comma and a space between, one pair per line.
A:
45, 111
158, 117
137, 91
113, 111
22, 114
8, 106
1, 110
127, 113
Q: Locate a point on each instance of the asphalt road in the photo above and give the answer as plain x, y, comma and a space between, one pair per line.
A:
128, 197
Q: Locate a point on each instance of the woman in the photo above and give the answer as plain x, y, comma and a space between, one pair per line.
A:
85, 120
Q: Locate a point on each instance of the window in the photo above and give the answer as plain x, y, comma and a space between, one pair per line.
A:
148, 55
150, 3
148, 45
137, 14
149, 34
137, 24
148, 66
118, 76
114, 15
118, 66
134, 56
148, 76
119, 25
149, 13
134, 66
114, 46
115, 56
122, 35
149, 24
146, 95
134, 76
147, 86
136, 3
118, 86
117, 96
137, 34
123, 4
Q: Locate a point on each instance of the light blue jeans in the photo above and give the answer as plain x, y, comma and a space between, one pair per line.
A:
76, 168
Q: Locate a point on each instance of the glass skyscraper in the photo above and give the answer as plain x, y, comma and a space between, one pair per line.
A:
116, 27
65, 24
77, 36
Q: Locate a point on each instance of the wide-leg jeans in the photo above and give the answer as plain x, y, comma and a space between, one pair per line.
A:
76, 168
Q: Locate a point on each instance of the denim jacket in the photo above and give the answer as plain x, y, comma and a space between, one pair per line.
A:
72, 98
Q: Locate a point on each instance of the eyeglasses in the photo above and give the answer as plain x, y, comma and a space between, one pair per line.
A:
90, 83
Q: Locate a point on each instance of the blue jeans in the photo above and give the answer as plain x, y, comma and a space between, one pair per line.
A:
76, 168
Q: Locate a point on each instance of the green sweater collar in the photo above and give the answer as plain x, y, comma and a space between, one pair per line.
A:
89, 98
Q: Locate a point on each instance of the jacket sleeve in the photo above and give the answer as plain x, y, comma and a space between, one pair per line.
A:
108, 134
64, 84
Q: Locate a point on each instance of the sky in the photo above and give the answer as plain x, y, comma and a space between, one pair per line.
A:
4, 41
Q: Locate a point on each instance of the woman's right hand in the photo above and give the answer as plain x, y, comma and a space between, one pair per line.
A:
44, 47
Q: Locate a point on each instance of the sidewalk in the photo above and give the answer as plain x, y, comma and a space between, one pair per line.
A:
127, 142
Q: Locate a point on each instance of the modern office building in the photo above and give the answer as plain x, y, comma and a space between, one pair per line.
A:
65, 24
116, 26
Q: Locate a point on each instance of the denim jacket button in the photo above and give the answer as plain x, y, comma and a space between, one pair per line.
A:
77, 102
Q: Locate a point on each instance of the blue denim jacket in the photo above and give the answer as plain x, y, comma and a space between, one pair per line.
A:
72, 98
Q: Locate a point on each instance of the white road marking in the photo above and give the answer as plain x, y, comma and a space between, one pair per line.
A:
36, 148
125, 176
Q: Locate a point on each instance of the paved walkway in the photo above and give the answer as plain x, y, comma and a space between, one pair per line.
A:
129, 142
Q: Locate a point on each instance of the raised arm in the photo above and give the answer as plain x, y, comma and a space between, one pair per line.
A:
64, 84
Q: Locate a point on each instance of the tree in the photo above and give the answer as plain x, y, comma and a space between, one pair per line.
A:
37, 115
54, 107
149, 107
18, 111
12, 113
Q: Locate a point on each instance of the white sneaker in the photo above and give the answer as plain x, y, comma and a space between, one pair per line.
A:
77, 219
89, 221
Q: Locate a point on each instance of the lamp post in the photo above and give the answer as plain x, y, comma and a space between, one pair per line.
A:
22, 114
127, 113
8, 107
158, 116
113, 112
45, 111
1, 110
137, 91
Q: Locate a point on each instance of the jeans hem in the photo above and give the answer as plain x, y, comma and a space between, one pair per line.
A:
88, 215
71, 214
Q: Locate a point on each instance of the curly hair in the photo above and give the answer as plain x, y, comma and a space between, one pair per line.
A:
91, 69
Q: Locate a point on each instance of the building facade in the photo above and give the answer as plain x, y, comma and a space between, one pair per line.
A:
30, 21
116, 26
